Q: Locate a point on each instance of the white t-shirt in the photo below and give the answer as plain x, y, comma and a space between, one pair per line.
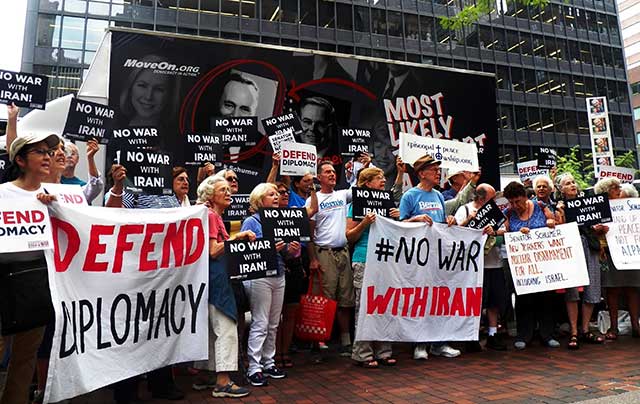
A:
10, 191
331, 218
492, 259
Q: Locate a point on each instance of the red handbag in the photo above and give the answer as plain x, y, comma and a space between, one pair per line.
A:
315, 315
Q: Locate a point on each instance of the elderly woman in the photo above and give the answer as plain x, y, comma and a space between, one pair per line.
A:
628, 191
543, 188
592, 292
181, 185
223, 336
265, 295
531, 308
366, 354
614, 281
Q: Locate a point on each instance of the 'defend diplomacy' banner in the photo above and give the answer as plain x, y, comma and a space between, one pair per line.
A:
198, 81
129, 288
623, 236
422, 283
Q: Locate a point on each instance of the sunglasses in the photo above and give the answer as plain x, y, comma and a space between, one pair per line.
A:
232, 179
283, 192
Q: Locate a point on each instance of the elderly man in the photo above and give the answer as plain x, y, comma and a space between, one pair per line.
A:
457, 180
317, 117
239, 97
494, 289
423, 203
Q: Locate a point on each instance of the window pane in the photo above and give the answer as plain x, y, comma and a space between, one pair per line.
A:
75, 6
307, 12
361, 19
48, 30
345, 16
326, 14
99, 9
72, 32
395, 23
95, 32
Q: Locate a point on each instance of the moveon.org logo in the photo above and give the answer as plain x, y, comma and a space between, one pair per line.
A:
163, 66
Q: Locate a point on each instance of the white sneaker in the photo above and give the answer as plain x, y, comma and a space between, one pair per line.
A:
444, 350
420, 352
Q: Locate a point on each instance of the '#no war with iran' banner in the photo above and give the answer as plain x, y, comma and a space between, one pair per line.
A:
129, 288
623, 236
422, 283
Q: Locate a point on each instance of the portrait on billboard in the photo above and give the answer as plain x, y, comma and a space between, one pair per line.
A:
596, 105
598, 125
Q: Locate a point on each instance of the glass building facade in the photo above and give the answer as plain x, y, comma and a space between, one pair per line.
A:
546, 60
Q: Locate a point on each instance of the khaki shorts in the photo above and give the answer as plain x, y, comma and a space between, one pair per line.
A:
337, 276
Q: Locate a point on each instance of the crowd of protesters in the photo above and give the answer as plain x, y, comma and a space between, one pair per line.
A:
334, 260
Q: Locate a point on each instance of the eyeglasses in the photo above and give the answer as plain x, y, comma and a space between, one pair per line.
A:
283, 192
43, 152
232, 179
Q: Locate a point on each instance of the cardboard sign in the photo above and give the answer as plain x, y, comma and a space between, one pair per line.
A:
414, 287
354, 141
67, 194
239, 208
546, 259
547, 158
298, 159
281, 129
588, 210
89, 120
136, 137
149, 171
489, 214
623, 236
202, 148
24, 225
135, 284
528, 170
366, 200
23, 89
455, 155
240, 131
251, 259
4, 164
625, 175
285, 224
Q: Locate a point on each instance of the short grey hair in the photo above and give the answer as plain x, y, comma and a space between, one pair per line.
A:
629, 191
207, 187
543, 178
604, 186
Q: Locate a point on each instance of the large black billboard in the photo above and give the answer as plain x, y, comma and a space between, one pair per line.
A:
184, 85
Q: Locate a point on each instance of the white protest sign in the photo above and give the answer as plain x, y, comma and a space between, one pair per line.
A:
129, 289
422, 283
625, 175
286, 136
298, 159
24, 225
546, 259
457, 156
66, 194
623, 236
528, 170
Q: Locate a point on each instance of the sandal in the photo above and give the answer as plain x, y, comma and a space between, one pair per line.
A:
573, 343
591, 338
388, 361
373, 364
612, 334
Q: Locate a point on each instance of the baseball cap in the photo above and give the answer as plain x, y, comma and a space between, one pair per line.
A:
425, 161
31, 138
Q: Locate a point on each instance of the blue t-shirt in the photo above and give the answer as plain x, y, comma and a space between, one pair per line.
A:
360, 248
295, 200
417, 202
72, 181
449, 194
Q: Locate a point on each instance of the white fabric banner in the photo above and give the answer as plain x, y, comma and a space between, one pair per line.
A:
546, 259
129, 288
454, 155
623, 236
24, 225
421, 283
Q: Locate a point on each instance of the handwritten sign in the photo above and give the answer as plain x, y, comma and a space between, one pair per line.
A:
623, 236
546, 259
454, 155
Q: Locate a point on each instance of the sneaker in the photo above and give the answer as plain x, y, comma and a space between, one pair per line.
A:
322, 346
204, 384
552, 343
520, 345
420, 352
257, 379
274, 373
345, 350
444, 350
496, 343
231, 390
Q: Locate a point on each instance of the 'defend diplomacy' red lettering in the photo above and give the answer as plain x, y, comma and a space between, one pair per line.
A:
414, 302
182, 244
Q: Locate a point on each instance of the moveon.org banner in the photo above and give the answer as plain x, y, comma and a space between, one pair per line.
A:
181, 84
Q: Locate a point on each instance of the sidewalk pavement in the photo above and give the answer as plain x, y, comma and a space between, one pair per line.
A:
535, 375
